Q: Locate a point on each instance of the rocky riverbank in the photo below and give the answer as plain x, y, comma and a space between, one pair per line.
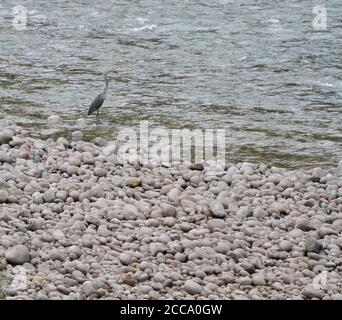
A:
76, 224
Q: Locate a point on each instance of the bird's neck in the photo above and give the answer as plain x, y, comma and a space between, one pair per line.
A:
106, 86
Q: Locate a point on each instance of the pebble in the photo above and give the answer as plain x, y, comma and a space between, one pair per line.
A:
125, 259
216, 224
258, 280
4, 158
156, 248
82, 226
91, 219
245, 212
133, 182
313, 245
317, 174
285, 246
88, 288
5, 138
3, 196
310, 292
110, 149
168, 210
304, 224
49, 196
192, 287
259, 213
17, 255
54, 119
217, 209
100, 172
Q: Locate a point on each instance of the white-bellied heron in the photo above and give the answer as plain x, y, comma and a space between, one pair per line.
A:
99, 100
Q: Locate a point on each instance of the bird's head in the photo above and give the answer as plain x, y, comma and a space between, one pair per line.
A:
108, 73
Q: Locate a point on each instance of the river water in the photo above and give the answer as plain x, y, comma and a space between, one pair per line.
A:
256, 68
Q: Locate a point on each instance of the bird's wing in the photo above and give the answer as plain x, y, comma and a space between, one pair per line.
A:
96, 104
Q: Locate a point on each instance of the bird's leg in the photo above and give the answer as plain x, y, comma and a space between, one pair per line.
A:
98, 115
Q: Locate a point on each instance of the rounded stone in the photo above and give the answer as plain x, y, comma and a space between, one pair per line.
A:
313, 245
125, 259
133, 182
3, 196
168, 210
285, 245
192, 287
258, 280
17, 255
217, 209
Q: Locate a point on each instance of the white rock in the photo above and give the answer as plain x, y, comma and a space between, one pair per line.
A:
54, 119
125, 258
111, 148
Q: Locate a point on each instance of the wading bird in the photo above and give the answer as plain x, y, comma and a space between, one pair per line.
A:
99, 100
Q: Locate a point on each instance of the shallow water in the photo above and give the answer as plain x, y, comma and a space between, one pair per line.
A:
256, 68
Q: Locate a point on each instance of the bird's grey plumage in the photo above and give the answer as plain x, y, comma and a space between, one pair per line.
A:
99, 100
96, 104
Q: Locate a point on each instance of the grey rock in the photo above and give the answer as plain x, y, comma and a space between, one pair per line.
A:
5, 138
100, 142
317, 174
111, 148
133, 182
217, 209
49, 196
56, 254
311, 292
88, 288
244, 212
5, 158
17, 255
63, 141
259, 213
3, 196
158, 247
79, 276
304, 224
100, 172
285, 246
192, 287
216, 224
168, 210
258, 280
313, 245
91, 219
125, 258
